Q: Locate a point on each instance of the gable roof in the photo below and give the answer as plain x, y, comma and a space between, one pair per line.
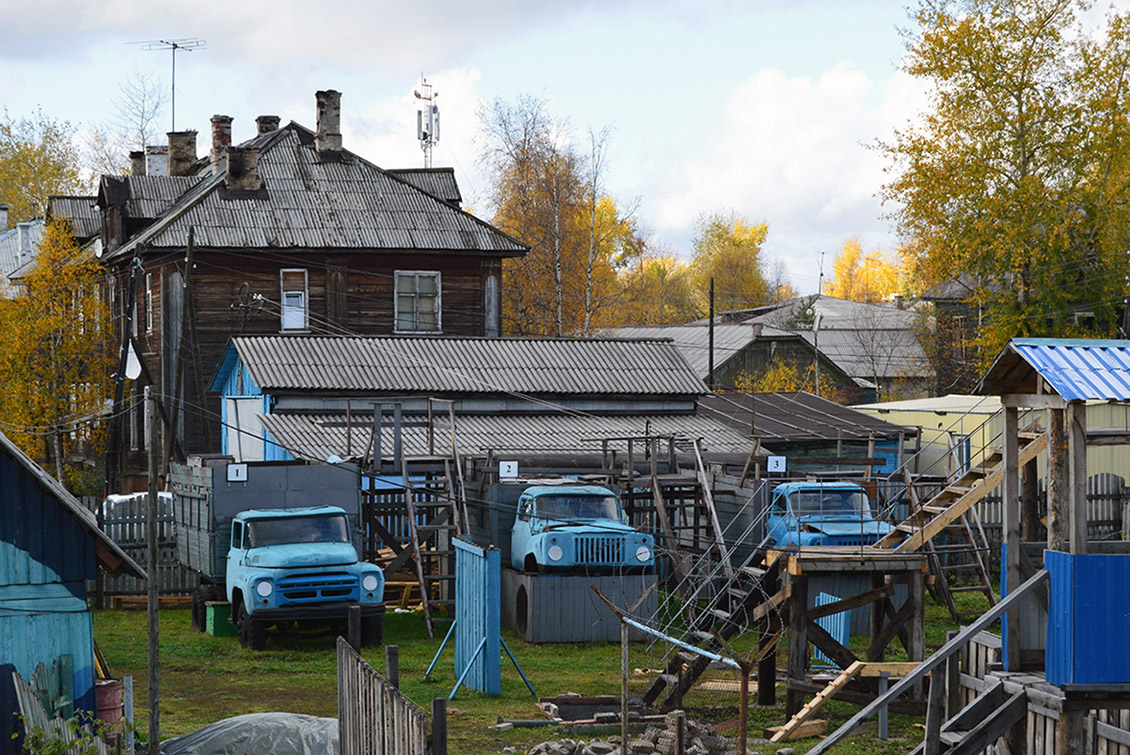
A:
312, 200
694, 340
82, 212
1075, 368
110, 555
439, 364
439, 182
10, 259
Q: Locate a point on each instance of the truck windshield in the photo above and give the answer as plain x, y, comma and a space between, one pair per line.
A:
852, 503
307, 529
578, 507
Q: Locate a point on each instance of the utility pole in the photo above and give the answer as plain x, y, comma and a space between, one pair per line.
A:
151, 567
710, 368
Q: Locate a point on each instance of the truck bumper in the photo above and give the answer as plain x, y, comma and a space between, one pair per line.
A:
317, 612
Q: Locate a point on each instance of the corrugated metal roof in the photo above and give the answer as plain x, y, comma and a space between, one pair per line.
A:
465, 365
1076, 369
310, 436
82, 212
694, 340
794, 416
311, 203
876, 352
149, 196
439, 182
10, 260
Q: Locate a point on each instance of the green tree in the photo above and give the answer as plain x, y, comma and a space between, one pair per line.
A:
1017, 173
38, 159
727, 248
56, 354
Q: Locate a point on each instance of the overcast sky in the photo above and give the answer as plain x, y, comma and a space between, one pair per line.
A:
762, 107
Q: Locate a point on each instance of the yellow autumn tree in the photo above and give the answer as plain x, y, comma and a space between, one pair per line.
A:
727, 249
864, 276
657, 290
789, 375
56, 355
38, 159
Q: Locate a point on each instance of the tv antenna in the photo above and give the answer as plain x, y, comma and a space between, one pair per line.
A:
427, 119
187, 44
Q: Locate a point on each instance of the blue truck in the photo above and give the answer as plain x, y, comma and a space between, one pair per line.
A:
822, 513
279, 543
576, 529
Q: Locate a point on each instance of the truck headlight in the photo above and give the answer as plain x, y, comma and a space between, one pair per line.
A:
264, 588
555, 553
369, 582
643, 553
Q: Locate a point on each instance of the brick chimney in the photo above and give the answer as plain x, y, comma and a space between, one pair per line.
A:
267, 124
328, 138
221, 140
243, 169
137, 163
3, 217
23, 231
157, 160
182, 152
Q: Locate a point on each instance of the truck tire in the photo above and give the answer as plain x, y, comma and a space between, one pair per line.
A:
252, 632
372, 632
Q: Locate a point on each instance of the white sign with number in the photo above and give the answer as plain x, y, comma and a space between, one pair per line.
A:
508, 469
775, 464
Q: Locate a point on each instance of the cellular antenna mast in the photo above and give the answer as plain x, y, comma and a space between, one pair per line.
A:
427, 119
188, 44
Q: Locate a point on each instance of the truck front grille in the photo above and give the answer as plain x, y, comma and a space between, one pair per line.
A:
318, 587
598, 550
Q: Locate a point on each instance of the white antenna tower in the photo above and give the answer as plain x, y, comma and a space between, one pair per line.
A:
427, 119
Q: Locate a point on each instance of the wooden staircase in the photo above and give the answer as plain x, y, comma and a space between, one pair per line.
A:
957, 498
978, 725
752, 598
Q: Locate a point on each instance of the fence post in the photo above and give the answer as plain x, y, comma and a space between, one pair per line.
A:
392, 665
439, 726
354, 629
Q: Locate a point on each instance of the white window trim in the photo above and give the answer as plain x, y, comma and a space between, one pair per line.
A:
396, 301
305, 299
149, 302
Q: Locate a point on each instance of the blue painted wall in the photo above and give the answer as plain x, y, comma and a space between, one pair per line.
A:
478, 616
45, 558
1088, 622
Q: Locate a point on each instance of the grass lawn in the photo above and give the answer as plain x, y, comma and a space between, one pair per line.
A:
204, 679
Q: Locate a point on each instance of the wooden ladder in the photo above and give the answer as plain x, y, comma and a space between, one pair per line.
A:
979, 724
954, 500
817, 702
433, 516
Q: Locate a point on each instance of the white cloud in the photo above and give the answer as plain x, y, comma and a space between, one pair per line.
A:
791, 150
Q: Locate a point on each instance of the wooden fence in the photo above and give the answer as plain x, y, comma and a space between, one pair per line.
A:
38, 723
1108, 731
124, 520
374, 718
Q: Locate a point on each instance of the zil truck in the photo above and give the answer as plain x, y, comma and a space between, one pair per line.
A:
822, 513
279, 543
576, 529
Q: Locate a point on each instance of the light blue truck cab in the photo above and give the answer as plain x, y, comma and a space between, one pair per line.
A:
299, 565
576, 528
822, 513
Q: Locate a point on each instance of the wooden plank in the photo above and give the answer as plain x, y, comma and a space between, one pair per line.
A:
891, 668
994, 727
708, 499
814, 727
847, 604
817, 702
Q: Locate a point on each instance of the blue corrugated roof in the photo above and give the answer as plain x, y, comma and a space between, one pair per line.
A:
1080, 369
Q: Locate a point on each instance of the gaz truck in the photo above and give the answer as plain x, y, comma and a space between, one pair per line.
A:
822, 513
576, 529
279, 544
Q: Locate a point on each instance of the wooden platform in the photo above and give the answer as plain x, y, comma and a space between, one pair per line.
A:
839, 558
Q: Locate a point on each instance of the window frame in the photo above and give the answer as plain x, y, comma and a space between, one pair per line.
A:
396, 293
284, 308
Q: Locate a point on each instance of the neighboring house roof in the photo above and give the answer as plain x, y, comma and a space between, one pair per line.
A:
17, 249
866, 353
953, 403
419, 365
694, 340
311, 202
82, 212
794, 417
110, 555
320, 436
439, 182
147, 196
1075, 368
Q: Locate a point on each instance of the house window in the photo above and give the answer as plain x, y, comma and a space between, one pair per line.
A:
149, 302
294, 299
417, 301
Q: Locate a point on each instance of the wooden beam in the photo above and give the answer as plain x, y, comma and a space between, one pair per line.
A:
830, 646
889, 630
1076, 427
1011, 525
1059, 497
1032, 401
1014, 710
960, 640
817, 702
708, 499
847, 604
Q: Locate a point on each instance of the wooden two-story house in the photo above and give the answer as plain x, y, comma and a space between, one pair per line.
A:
288, 232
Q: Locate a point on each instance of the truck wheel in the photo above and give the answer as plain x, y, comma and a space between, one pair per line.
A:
252, 632
372, 632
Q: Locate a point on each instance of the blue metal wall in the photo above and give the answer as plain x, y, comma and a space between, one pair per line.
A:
1088, 621
478, 616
